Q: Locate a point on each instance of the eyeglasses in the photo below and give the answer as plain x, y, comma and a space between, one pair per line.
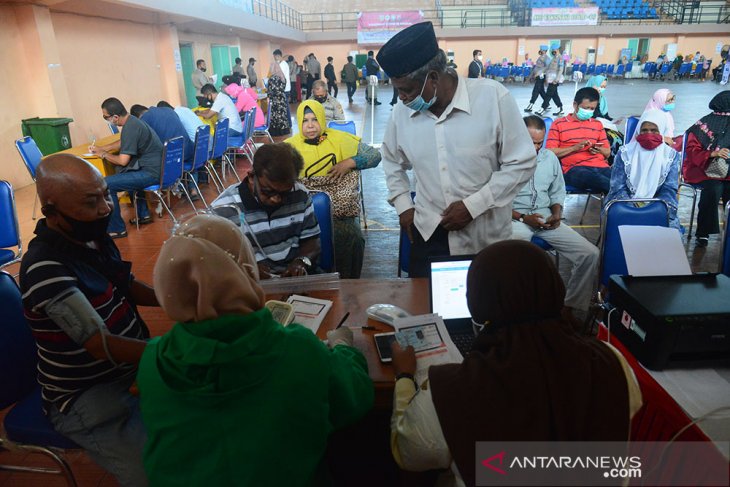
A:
107, 117
270, 193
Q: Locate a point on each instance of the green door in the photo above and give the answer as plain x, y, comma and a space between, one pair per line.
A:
234, 52
222, 62
186, 58
634, 46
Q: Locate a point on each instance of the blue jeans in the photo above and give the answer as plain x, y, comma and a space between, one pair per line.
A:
107, 423
128, 181
597, 179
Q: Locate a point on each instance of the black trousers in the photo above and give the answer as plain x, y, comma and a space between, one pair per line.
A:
332, 85
421, 251
552, 94
351, 89
708, 221
538, 90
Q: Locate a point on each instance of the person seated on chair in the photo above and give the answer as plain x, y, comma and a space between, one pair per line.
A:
276, 213
529, 377
223, 107
139, 163
665, 101
708, 139
580, 143
80, 299
332, 107
228, 376
244, 100
537, 210
167, 125
314, 142
648, 166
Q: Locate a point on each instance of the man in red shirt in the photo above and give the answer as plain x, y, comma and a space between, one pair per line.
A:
580, 143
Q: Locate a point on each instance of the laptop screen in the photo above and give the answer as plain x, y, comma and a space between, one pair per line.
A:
448, 288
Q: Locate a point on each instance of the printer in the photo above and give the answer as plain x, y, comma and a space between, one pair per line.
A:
672, 320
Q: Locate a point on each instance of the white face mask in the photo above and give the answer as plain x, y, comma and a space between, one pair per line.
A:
479, 57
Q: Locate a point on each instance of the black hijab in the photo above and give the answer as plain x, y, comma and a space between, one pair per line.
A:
530, 377
713, 130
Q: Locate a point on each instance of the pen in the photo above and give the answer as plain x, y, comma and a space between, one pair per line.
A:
342, 321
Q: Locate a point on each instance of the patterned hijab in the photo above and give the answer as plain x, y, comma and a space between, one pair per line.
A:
713, 130
657, 102
207, 270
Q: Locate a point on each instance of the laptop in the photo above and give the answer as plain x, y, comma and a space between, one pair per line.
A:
447, 283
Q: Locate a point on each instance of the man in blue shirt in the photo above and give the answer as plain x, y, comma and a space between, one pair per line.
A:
166, 124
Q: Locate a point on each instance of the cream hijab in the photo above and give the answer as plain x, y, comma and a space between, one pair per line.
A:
207, 270
646, 169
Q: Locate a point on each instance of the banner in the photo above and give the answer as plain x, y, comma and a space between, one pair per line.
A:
376, 28
548, 17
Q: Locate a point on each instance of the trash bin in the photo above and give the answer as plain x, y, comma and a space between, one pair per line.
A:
50, 134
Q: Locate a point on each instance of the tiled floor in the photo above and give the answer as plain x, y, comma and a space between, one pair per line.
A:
625, 97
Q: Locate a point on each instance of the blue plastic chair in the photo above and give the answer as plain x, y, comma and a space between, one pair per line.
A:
631, 123
171, 174
345, 126
620, 70
113, 128
9, 228
31, 155
200, 157
263, 130
625, 212
610, 68
323, 211
220, 146
25, 424
725, 255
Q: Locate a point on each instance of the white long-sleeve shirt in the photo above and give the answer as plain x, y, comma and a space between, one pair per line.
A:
478, 151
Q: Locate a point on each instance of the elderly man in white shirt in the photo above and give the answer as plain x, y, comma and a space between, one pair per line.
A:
467, 145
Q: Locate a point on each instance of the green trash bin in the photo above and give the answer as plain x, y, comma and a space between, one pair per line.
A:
50, 134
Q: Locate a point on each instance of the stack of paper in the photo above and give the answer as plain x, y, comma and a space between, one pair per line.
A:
309, 312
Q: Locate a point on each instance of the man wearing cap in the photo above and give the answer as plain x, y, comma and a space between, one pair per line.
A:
466, 143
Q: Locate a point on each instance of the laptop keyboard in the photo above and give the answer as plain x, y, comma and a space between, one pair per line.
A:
463, 342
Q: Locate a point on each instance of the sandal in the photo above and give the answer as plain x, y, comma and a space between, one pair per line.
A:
116, 235
142, 221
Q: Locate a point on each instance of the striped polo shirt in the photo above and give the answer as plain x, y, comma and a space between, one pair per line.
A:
52, 266
569, 131
275, 233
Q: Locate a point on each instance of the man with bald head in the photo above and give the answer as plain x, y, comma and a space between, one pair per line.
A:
80, 299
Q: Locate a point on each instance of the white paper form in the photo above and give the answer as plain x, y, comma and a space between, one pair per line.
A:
428, 336
309, 312
653, 251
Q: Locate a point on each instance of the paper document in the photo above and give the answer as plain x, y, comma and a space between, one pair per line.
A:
653, 251
428, 336
309, 312
214, 79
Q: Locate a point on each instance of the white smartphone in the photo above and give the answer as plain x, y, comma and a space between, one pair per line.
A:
384, 345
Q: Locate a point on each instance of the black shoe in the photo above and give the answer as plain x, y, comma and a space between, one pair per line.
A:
116, 235
702, 242
142, 221
541, 112
529, 108
377, 102
393, 102
194, 197
559, 113
350, 100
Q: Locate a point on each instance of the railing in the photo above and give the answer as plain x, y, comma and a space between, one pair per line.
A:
279, 12
445, 16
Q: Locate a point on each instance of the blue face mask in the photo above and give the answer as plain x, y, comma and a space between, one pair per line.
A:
584, 114
668, 107
418, 103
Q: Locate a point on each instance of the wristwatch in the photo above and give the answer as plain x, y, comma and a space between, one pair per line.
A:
521, 219
305, 260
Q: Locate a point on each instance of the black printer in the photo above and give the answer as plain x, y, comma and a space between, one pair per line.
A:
672, 320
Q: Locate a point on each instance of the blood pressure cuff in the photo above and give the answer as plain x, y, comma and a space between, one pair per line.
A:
75, 315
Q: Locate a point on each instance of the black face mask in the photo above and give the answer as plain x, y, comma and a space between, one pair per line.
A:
321, 99
86, 231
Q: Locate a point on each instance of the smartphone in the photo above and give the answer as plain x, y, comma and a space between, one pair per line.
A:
281, 311
384, 345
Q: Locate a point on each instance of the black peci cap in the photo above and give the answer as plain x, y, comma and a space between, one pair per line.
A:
408, 50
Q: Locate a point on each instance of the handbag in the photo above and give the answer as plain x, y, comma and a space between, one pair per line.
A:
717, 168
344, 192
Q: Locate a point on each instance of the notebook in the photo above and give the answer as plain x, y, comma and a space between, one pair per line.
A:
447, 282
